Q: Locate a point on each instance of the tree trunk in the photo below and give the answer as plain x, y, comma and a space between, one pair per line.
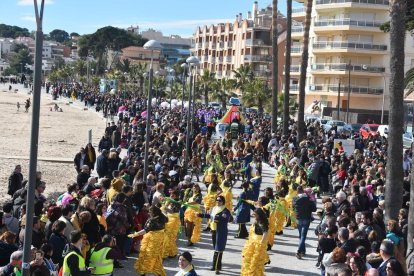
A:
286, 97
394, 178
303, 67
274, 65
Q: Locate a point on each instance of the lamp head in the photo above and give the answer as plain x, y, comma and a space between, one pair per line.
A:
193, 60
152, 45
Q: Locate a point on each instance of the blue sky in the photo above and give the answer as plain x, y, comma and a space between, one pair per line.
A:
86, 16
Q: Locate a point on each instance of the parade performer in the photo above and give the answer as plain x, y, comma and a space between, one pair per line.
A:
226, 190
192, 222
220, 217
291, 194
152, 245
209, 199
280, 211
254, 252
172, 208
243, 211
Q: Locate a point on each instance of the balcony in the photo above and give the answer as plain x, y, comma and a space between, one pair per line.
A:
257, 43
330, 25
335, 4
219, 74
299, 13
297, 29
344, 89
219, 60
258, 58
296, 50
204, 58
212, 59
263, 73
229, 44
295, 68
294, 87
213, 45
349, 46
228, 59
343, 67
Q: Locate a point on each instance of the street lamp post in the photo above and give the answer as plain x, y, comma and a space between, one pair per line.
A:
192, 62
34, 139
172, 75
184, 66
150, 45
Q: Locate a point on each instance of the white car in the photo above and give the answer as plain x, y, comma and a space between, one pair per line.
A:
339, 125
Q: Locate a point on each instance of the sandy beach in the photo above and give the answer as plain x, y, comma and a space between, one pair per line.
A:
61, 134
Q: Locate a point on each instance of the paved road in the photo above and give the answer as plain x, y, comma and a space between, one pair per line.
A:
282, 256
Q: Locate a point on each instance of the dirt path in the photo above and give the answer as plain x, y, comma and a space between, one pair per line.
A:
61, 134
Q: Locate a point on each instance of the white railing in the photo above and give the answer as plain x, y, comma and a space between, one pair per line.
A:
349, 45
348, 22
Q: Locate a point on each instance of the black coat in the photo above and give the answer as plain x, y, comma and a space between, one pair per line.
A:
15, 183
5, 252
102, 165
303, 206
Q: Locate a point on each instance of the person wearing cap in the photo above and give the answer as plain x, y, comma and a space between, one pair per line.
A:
184, 263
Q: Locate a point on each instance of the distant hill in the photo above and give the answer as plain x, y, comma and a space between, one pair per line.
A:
13, 31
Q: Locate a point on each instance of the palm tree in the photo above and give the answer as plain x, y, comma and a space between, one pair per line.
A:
409, 82
244, 75
137, 74
256, 94
303, 67
222, 90
286, 98
205, 80
293, 107
394, 170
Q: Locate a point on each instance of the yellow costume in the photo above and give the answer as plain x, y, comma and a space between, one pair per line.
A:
228, 196
210, 199
254, 255
280, 215
190, 215
292, 193
151, 253
171, 232
272, 223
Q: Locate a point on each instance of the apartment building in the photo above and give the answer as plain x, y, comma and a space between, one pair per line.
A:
139, 55
225, 47
174, 47
347, 52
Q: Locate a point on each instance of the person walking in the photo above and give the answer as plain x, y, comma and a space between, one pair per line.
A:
243, 208
303, 208
219, 217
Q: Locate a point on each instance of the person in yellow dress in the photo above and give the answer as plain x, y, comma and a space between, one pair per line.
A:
226, 190
172, 208
210, 199
192, 222
152, 245
254, 255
